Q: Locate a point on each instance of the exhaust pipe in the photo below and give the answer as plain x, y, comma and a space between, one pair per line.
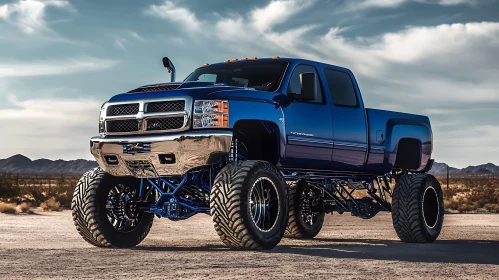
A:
168, 64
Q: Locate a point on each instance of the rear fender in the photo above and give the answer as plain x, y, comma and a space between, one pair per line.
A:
407, 134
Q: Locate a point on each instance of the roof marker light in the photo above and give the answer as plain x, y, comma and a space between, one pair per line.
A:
225, 61
244, 58
253, 58
276, 57
206, 64
234, 60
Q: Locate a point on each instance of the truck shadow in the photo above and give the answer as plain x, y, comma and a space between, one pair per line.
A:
442, 251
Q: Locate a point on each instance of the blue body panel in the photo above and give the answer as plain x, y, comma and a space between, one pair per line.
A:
314, 136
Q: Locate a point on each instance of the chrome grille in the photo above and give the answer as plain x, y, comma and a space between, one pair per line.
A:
131, 125
147, 116
125, 109
165, 106
154, 124
156, 88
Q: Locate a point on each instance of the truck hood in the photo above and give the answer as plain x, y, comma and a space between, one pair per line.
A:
197, 90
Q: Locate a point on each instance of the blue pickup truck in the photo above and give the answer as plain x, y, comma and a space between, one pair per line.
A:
267, 147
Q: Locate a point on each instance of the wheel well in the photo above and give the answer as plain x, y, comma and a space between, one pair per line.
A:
408, 154
259, 140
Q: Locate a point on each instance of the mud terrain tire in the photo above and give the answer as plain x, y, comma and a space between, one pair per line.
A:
297, 228
417, 208
234, 205
89, 211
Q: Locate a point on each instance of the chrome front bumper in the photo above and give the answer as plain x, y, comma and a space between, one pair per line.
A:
159, 155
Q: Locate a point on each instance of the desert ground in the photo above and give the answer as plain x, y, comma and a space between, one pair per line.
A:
45, 245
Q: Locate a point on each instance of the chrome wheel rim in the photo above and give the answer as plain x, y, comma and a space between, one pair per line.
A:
430, 207
264, 204
121, 208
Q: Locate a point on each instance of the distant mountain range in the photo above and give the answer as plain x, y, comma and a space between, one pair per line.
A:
441, 169
23, 165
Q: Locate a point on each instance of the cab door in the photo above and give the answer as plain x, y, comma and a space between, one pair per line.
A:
349, 121
309, 133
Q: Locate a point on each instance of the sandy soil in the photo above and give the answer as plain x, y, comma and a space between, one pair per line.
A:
46, 245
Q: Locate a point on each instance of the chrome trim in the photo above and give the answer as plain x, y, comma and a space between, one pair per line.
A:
349, 144
377, 148
191, 149
141, 115
310, 141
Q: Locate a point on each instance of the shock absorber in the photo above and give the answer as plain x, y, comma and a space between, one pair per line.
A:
233, 150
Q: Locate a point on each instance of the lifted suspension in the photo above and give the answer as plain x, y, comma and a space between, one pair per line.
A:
337, 193
179, 197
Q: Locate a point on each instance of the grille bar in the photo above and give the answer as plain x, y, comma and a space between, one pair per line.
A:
131, 125
165, 106
125, 109
154, 124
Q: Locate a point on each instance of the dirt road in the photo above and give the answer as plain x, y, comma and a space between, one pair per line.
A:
46, 245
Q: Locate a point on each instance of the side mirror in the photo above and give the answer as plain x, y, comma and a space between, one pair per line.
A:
168, 64
308, 86
308, 83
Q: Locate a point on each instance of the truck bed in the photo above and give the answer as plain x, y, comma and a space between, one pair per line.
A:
386, 129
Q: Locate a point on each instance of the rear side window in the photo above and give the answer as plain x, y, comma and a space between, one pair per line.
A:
341, 88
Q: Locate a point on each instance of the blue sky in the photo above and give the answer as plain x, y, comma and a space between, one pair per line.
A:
61, 59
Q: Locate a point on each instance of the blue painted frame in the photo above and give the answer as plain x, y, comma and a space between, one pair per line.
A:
171, 204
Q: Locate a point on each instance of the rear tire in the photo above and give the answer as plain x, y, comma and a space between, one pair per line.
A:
249, 206
417, 208
90, 211
299, 224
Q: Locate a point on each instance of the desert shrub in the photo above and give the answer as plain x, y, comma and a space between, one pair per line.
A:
7, 208
23, 207
494, 208
471, 193
63, 190
51, 204
8, 186
465, 208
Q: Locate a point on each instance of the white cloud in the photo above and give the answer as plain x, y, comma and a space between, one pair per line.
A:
174, 13
121, 39
53, 67
276, 12
29, 15
357, 5
40, 127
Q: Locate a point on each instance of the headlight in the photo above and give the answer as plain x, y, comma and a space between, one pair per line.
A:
102, 116
211, 113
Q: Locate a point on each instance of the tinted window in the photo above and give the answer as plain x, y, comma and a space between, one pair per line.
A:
260, 75
294, 85
341, 88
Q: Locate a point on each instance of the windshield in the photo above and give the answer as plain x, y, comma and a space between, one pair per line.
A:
260, 75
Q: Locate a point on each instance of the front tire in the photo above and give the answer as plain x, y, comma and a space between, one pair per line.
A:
103, 213
303, 221
417, 208
249, 206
